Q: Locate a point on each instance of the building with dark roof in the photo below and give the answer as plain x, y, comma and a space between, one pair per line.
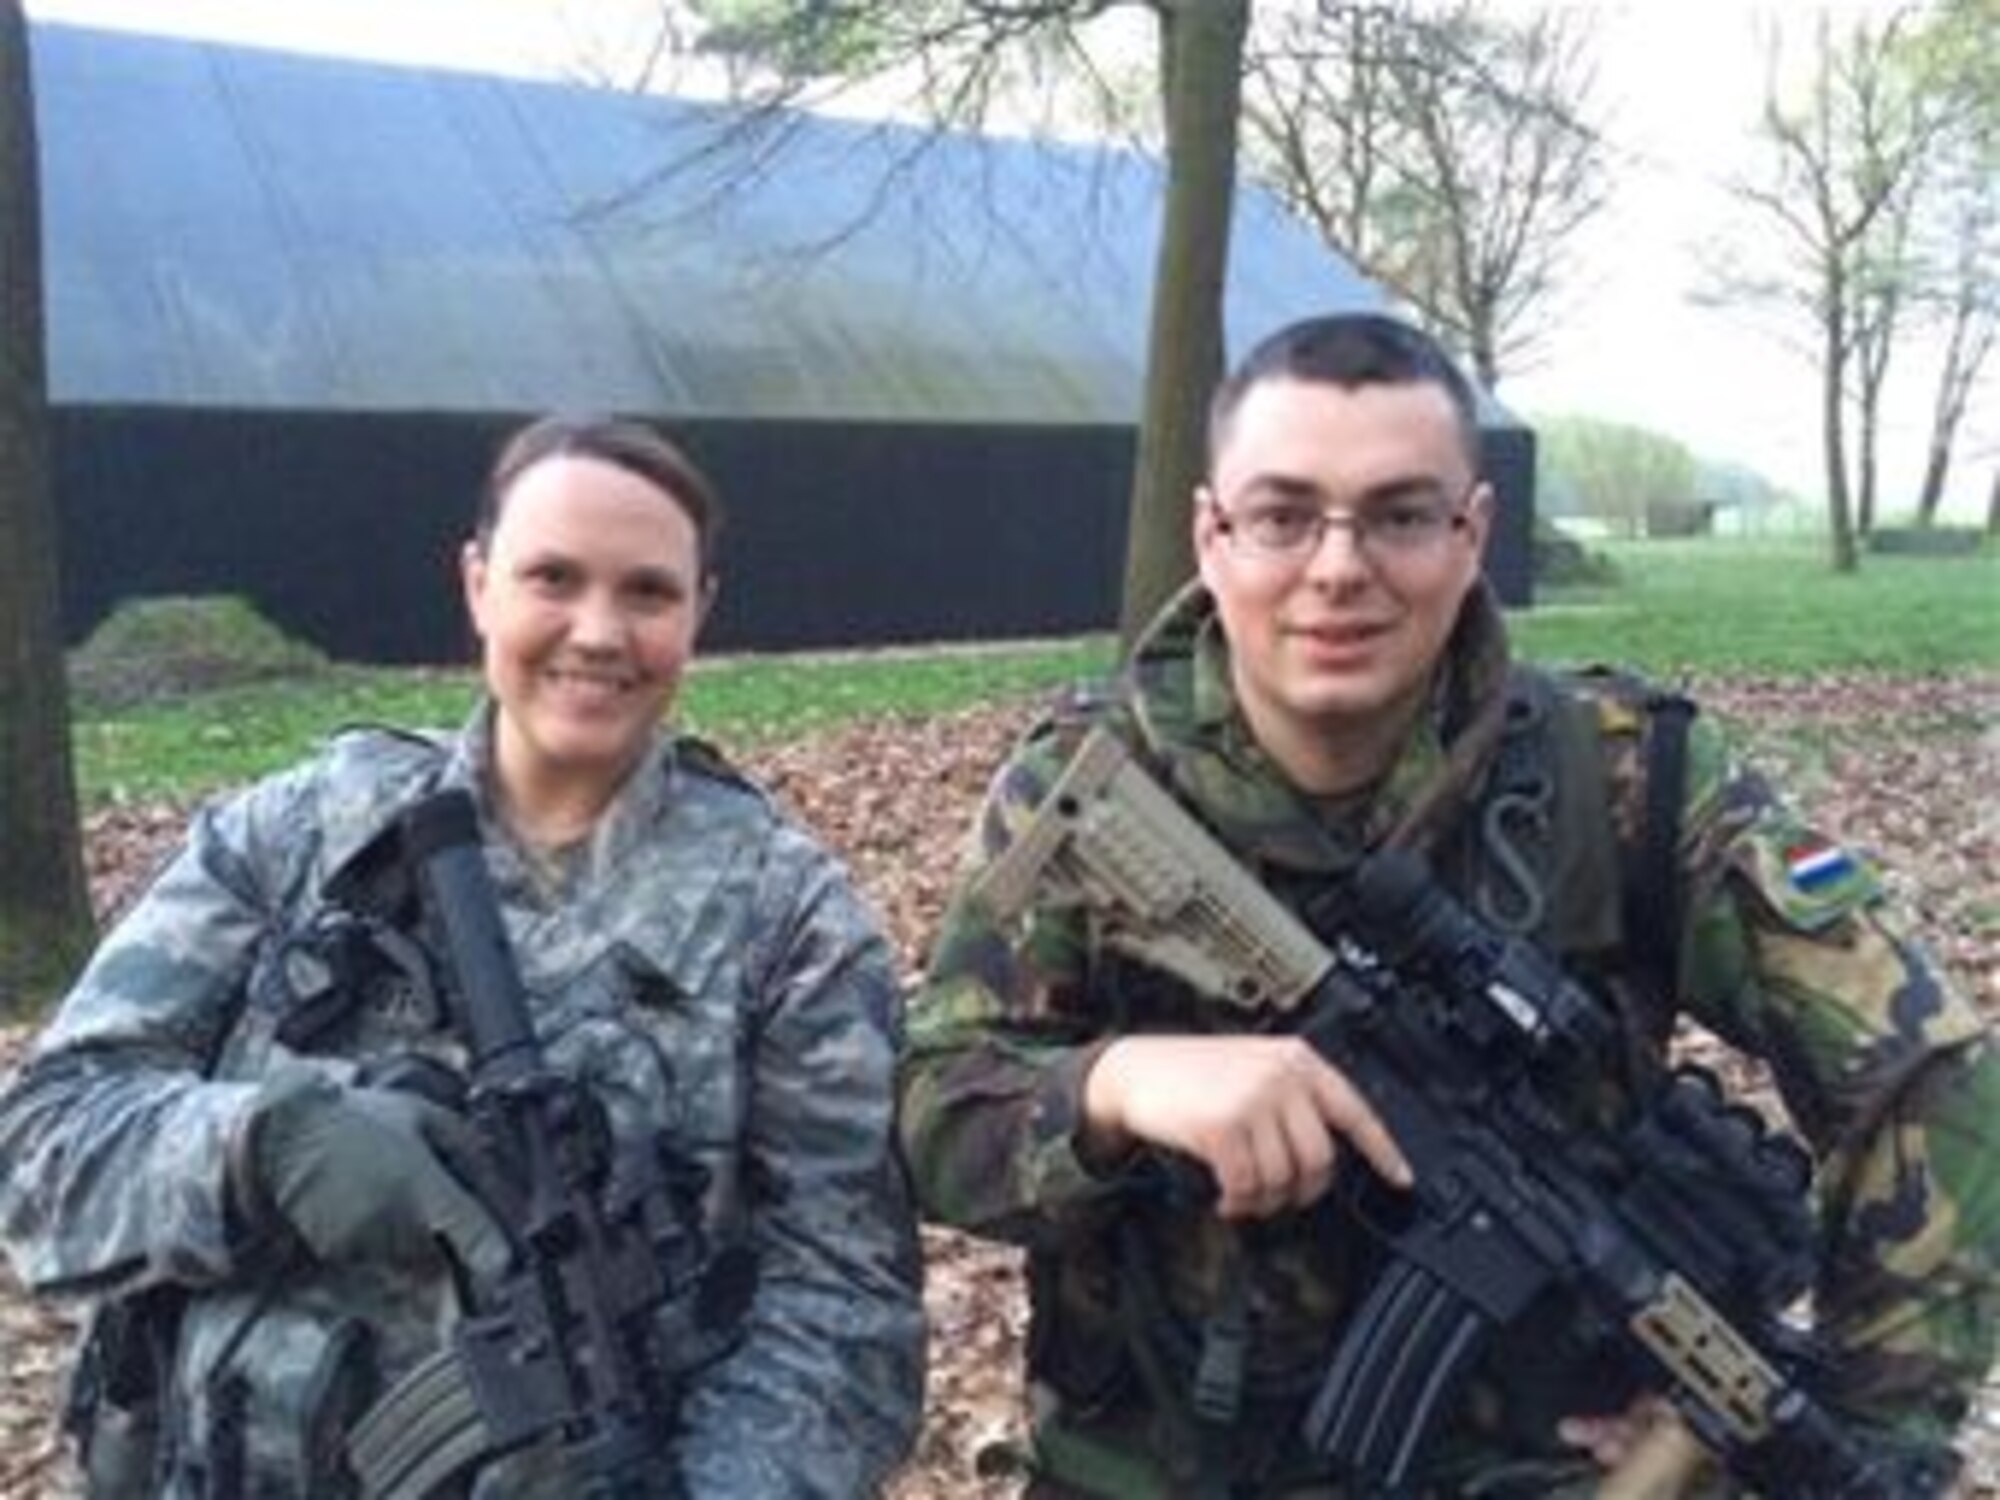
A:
295, 301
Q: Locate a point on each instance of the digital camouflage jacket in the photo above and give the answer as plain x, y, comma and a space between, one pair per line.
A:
701, 963
1784, 950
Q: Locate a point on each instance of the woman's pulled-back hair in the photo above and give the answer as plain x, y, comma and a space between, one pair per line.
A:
621, 442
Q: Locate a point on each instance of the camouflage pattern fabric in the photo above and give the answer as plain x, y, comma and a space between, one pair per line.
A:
1786, 952
702, 964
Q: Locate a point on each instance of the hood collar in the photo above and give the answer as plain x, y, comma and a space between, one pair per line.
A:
1186, 714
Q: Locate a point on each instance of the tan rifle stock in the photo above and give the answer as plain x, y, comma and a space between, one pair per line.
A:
1110, 840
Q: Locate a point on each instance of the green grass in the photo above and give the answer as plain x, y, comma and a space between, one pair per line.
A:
194, 745
1701, 607
1772, 607
189, 746
754, 698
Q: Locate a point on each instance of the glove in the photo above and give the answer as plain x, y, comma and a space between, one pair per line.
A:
360, 1174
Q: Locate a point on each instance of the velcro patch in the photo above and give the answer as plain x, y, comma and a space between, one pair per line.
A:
1808, 879
1815, 862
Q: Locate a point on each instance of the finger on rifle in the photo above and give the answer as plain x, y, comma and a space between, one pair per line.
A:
1354, 1120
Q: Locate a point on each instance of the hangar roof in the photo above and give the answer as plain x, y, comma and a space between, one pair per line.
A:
242, 228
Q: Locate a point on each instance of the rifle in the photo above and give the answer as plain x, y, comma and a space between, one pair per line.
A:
1685, 1225
613, 1294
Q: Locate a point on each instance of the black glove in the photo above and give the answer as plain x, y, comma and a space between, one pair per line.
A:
358, 1174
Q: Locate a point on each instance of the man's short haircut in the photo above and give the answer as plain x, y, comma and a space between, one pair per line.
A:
1349, 350
624, 444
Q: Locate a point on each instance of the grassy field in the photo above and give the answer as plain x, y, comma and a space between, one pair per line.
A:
1776, 607
1706, 607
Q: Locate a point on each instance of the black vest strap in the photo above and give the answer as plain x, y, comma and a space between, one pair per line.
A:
1652, 891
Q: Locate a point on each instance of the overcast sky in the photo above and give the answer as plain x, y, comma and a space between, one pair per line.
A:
1681, 80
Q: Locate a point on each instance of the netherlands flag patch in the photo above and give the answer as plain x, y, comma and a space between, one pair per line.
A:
1817, 863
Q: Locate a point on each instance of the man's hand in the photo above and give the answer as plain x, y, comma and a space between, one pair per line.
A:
1265, 1115
1646, 1451
361, 1174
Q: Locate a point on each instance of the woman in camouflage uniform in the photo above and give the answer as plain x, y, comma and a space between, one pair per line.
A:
1337, 681
219, 1139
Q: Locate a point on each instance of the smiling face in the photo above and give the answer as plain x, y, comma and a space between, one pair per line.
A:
1333, 643
586, 595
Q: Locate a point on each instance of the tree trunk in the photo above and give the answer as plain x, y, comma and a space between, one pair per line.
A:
44, 910
1833, 433
1936, 467
1965, 354
1483, 344
1993, 504
1201, 86
1865, 465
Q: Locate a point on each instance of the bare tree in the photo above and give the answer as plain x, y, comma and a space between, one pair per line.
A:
1969, 301
1842, 158
1960, 284
1201, 65
1469, 158
1881, 289
1320, 117
1449, 153
44, 912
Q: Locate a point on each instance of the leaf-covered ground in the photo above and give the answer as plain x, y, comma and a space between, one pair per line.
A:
1906, 769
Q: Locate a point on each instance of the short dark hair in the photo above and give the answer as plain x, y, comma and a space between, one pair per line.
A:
621, 442
1348, 350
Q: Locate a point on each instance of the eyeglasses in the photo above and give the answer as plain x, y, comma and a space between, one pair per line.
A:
1394, 531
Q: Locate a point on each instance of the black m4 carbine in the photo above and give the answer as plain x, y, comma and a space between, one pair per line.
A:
613, 1295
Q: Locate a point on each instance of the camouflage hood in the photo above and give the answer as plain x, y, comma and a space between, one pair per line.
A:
1185, 714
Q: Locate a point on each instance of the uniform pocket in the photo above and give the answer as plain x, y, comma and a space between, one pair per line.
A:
274, 1391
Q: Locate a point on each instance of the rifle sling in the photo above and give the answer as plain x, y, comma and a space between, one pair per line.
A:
1652, 914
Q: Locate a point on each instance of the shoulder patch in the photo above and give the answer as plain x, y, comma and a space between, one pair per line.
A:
1808, 879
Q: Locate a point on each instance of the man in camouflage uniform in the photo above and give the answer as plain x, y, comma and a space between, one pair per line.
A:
1338, 680
221, 1133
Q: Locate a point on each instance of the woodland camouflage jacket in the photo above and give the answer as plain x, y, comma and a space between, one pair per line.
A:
1786, 951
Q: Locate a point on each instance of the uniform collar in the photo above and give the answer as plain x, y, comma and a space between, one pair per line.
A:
1194, 732
634, 810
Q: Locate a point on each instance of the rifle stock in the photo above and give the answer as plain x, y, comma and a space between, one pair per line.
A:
1450, 1030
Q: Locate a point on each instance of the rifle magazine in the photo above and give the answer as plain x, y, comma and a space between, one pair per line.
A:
1403, 1355
423, 1433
